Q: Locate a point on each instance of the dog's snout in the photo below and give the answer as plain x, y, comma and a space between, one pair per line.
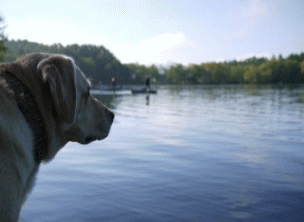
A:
112, 115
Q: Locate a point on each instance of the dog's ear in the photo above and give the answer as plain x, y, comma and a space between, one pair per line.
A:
59, 73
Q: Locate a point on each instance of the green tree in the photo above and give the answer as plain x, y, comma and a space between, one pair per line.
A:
293, 72
197, 74
218, 72
265, 72
2, 38
251, 74
236, 73
286, 71
152, 72
302, 67
176, 74
101, 65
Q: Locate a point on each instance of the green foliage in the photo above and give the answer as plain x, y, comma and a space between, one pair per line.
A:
140, 72
237, 73
251, 71
2, 39
176, 73
195, 73
302, 67
100, 65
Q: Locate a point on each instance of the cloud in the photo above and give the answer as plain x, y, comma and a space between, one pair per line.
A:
49, 29
154, 50
251, 15
255, 10
161, 43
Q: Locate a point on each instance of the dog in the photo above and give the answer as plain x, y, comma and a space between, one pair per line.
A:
45, 102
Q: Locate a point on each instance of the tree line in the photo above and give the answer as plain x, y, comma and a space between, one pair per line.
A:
2, 38
100, 65
253, 71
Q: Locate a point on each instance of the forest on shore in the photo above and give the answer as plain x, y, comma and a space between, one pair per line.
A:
100, 65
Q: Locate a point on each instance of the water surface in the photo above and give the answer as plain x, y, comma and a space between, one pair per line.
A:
199, 153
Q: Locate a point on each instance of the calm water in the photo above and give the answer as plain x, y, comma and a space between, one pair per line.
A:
205, 153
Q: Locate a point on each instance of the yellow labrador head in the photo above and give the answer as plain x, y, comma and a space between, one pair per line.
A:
83, 118
93, 120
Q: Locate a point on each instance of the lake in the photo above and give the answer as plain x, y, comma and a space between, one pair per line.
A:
188, 153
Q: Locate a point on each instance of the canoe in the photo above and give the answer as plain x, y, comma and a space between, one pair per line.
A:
111, 93
111, 88
144, 90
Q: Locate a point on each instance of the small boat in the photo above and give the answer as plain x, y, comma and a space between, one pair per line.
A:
144, 90
111, 88
111, 93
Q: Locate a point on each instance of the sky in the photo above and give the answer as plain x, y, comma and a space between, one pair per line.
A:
163, 31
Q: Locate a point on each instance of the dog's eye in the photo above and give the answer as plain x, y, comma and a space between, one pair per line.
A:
86, 95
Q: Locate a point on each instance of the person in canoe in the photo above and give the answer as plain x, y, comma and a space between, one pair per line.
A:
148, 84
114, 82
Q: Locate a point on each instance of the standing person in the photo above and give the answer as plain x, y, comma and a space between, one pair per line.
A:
114, 82
148, 84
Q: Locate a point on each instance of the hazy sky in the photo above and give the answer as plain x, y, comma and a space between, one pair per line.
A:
163, 31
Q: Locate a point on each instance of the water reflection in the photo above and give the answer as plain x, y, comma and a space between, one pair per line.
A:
188, 153
111, 100
147, 99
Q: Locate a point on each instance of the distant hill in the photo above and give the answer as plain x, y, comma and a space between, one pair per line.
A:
98, 63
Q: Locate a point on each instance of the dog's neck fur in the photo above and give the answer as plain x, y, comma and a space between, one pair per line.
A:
32, 80
29, 108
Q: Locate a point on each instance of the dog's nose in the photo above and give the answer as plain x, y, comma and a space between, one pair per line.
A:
112, 115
